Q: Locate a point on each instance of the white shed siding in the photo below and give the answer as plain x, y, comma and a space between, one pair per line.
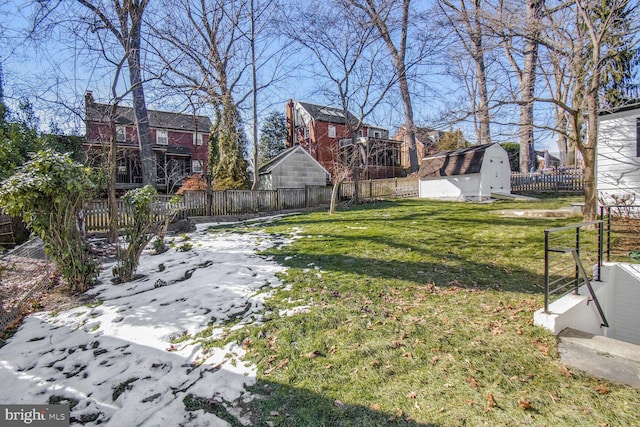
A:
459, 187
494, 177
617, 164
495, 173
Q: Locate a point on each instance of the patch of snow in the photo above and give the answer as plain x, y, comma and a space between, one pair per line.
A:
131, 359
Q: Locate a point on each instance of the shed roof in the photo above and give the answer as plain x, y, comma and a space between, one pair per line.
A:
96, 112
449, 163
272, 163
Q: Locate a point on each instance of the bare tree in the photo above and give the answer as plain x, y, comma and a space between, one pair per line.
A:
381, 15
588, 36
523, 57
351, 64
123, 20
467, 22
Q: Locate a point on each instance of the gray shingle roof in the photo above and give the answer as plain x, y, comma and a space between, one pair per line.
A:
327, 114
157, 119
449, 163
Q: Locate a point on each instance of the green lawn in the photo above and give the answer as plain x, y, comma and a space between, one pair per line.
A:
420, 313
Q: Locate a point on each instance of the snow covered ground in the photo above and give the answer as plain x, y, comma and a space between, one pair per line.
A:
121, 362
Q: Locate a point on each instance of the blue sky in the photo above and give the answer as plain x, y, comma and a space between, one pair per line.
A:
54, 74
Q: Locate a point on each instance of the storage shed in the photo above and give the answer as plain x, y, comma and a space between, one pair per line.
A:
618, 153
293, 168
471, 173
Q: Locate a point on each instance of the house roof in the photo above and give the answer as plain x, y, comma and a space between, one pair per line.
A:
449, 163
95, 112
271, 164
327, 114
620, 109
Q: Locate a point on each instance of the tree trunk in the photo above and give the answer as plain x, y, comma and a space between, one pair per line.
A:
481, 76
254, 96
410, 127
334, 197
527, 85
147, 157
112, 177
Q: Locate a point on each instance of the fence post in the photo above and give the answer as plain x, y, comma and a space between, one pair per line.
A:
546, 271
577, 275
600, 248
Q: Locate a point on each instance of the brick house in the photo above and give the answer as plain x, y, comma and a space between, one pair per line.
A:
426, 144
323, 132
180, 143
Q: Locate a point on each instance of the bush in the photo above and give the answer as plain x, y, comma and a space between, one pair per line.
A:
145, 225
48, 192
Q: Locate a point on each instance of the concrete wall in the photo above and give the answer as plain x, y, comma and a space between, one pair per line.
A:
623, 311
617, 161
618, 294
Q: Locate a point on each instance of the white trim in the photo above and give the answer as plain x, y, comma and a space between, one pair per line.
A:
196, 166
121, 133
162, 135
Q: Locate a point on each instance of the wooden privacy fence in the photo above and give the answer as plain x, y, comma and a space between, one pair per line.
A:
571, 180
380, 188
194, 203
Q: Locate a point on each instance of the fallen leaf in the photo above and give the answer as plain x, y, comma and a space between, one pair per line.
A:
491, 402
412, 395
544, 348
399, 413
602, 389
470, 402
434, 360
338, 403
172, 348
314, 354
274, 413
565, 371
524, 403
283, 363
441, 410
472, 382
332, 350
329, 366
374, 406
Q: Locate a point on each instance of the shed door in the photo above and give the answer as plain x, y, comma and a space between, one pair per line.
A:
496, 174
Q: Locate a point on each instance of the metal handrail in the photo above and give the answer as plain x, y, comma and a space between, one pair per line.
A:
576, 246
607, 219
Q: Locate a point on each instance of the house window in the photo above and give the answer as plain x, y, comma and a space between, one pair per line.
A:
360, 132
306, 132
376, 134
197, 138
121, 133
162, 137
332, 131
196, 166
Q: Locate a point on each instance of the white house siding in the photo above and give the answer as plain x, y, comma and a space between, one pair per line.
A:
617, 164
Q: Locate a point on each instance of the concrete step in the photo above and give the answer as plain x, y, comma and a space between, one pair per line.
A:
600, 356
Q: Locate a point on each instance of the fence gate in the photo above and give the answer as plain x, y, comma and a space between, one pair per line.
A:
7, 238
